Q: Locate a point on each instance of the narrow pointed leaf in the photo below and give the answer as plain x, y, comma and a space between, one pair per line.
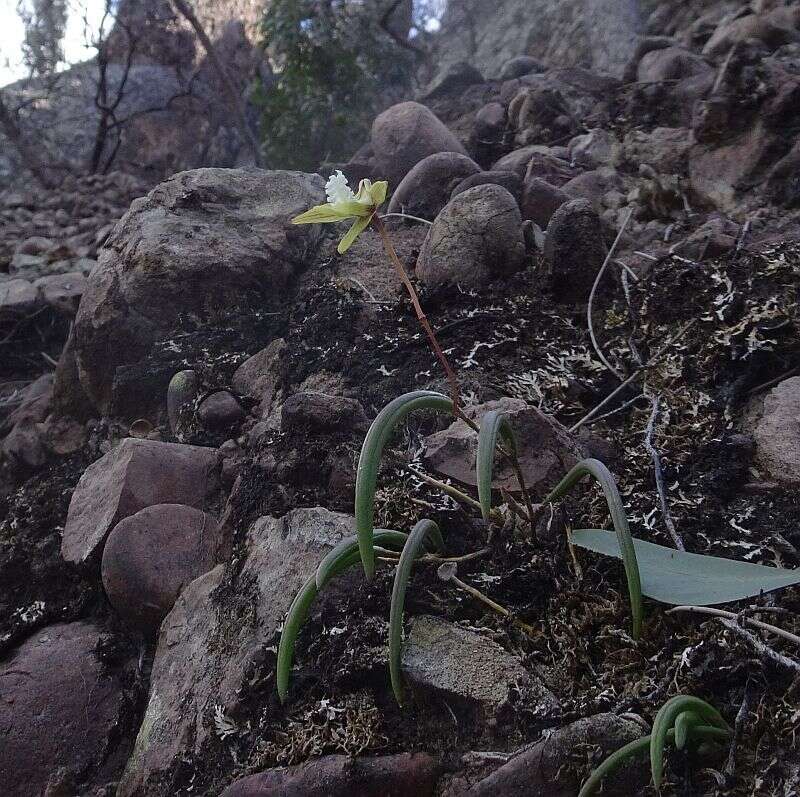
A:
339, 559
493, 423
595, 468
424, 530
664, 721
678, 577
369, 462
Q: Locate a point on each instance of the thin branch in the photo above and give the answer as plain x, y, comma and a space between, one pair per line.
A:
594, 290
741, 716
722, 613
659, 475
405, 216
761, 647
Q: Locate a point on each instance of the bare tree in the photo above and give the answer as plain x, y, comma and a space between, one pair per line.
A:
30, 157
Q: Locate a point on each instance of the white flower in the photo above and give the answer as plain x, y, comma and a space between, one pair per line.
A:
337, 190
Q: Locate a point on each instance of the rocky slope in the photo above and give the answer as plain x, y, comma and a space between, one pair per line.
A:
173, 480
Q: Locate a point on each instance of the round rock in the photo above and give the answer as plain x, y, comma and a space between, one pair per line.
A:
150, 556
777, 434
511, 181
220, 410
58, 708
426, 189
405, 134
574, 250
475, 239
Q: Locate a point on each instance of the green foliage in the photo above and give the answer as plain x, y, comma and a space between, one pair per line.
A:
340, 558
493, 423
681, 719
595, 468
422, 531
368, 463
332, 61
678, 578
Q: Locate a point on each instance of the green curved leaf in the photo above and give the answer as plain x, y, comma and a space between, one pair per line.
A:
419, 534
339, 559
369, 461
385, 537
681, 578
638, 746
493, 423
595, 468
684, 723
664, 721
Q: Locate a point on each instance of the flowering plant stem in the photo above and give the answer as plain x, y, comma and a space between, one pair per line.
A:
380, 228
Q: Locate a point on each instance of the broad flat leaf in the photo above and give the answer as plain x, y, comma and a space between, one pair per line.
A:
678, 578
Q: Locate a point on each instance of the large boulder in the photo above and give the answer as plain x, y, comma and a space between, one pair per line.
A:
601, 34
58, 708
426, 189
134, 475
405, 134
152, 555
202, 240
211, 640
475, 239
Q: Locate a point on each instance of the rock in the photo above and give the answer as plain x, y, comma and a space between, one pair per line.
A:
550, 168
594, 186
24, 446
717, 172
518, 160
546, 450
475, 239
511, 181
322, 413
666, 149
519, 66
17, 297
58, 708
23, 265
574, 250
599, 34
714, 238
670, 63
405, 134
426, 189
152, 555
595, 148
220, 410
490, 124
449, 660
341, 776
540, 113
134, 475
771, 30
455, 78
211, 642
62, 291
547, 767
34, 245
257, 377
35, 404
204, 239
183, 388
710, 119
540, 200
777, 433
783, 181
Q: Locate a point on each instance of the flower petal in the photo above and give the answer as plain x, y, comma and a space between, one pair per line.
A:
378, 192
358, 227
